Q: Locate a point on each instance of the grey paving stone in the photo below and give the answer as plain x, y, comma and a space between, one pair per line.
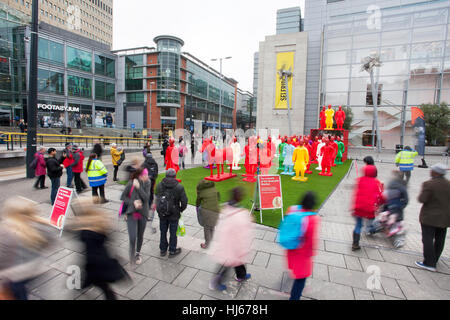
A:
391, 288
250, 257
266, 277
389, 270
59, 254
266, 246
343, 248
185, 277
270, 294
330, 258
200, 261
277, 263
378, 296
270, 236
50, 274
373, 254
320, 272
141, 288
400, 258
350, 278
56, 289
415, 291
261, 259
431, 278
74, 245
201, 281
92, 294
321, 245
205, 297
259, 234
362, 294
353, 263
123, 287
247, 291
151, 248
287, 282
70, 260
160, 269
324, 290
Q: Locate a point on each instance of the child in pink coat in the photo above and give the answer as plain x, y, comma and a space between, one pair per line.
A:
233, 239
300, 260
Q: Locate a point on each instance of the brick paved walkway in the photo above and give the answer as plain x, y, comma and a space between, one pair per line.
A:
338, 272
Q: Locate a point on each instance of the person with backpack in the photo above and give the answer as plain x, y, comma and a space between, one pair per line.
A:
40, 170
136, 198
116, 156
152, 168
182, 152
298, 235
234, 235
77, 168
97, 175
171, 200
368, 195
207, 208
54, 171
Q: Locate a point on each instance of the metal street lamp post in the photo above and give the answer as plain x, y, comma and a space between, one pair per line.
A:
32, 94
221, 78
368, 65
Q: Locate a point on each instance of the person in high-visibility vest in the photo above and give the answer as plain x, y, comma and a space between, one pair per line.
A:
97, 175
405, 161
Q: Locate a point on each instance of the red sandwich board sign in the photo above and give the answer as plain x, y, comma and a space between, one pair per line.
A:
60, 208
270, 194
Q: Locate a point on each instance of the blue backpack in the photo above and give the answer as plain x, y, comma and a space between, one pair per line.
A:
293, 228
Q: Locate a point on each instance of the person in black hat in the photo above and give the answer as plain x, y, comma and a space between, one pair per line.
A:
54, 172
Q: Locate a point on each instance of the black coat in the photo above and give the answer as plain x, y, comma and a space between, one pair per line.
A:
98, 150
178, 193
100, 267
54, 169
152, 167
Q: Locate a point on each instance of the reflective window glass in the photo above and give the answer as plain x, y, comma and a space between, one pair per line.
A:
336, 98
50, 51
360, 84
366, 41
393, 82
359, 55
358, 98
394, 53
79, 87
418, 97
395, 37
337, 72
333, 85
50, 82
338, 57
394, 68
426, 66
79, 59
427, 50
430, 18
391, 97
424, 81
335, 44
435, 33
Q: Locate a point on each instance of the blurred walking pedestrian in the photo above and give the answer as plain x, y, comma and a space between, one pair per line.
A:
115, 155
300, 259
97, 175
93, 225
135, 164
171, 201
24, 236
152, 168
40, 170
434, 216
77, 168
233, 239
68, 163
136, 199
366, 199
54, 171
182, 152
207, 209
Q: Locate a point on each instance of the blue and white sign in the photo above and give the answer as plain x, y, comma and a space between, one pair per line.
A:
132, 126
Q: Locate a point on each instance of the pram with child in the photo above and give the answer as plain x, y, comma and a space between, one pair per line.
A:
390, 217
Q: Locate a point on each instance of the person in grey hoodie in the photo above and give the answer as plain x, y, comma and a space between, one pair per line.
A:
136, 198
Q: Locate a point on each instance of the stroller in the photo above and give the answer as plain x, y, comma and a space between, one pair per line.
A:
391, 224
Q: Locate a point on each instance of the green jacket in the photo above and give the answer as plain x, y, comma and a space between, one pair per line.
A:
208, 199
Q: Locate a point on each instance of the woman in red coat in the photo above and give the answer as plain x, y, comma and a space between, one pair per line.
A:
300, 260
367, 197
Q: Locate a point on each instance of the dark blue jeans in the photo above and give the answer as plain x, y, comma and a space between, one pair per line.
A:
297, 289
55, 186
69, 176
172, 226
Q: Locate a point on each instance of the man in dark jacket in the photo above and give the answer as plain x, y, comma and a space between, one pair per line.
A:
54, 171
164, 148
207, 208
434, 216
170, 194
152, 168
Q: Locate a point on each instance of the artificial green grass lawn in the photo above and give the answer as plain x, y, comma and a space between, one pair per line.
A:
291, 190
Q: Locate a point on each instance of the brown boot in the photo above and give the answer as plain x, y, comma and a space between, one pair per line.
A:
355, 245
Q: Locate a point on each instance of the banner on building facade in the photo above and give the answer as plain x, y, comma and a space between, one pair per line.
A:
285, 61
418, 123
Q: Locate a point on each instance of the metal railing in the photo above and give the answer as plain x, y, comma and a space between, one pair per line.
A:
12, 139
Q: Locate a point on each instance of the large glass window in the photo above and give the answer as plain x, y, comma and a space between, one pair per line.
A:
50, 82
435, 33
135, 97
395, 37
133, 73
104, 91
168, 112
79, 87
79, 59
105, 66
50, 51
105, 117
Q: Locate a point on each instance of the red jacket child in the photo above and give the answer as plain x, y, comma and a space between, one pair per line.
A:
368, 194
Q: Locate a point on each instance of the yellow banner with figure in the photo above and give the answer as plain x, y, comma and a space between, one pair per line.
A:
285, 61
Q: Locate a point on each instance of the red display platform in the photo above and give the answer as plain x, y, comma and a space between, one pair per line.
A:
342, 133
222, 177
250, 178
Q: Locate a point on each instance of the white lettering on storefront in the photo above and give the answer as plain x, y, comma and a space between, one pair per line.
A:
53, 107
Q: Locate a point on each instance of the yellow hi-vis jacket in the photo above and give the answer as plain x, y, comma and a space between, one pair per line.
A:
97, 173
405, 159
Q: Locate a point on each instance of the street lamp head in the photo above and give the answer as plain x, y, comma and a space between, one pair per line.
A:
228, 57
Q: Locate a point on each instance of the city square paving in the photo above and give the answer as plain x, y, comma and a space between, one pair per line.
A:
338, 272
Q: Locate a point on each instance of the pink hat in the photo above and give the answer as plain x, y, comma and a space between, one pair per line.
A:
144, 172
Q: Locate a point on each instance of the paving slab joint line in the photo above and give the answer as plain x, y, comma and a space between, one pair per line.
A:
332, 192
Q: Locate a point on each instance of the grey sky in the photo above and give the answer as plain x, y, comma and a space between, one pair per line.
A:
209, 28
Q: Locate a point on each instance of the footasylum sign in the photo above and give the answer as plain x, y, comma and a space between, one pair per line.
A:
54, 107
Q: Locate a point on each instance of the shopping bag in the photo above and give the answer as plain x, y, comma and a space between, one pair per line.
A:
181, 231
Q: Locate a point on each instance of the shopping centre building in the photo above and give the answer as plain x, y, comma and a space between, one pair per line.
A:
163, 88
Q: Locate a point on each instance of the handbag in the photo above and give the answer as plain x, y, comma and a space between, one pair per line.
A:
181, 230
200, 216
124, 206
